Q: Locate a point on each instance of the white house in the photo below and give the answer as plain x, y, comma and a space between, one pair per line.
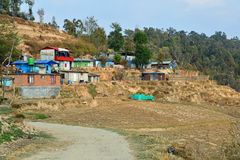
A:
75, 77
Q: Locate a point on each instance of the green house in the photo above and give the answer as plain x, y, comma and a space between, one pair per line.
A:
82, 63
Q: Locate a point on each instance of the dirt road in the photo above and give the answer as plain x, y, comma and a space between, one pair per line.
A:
84, 144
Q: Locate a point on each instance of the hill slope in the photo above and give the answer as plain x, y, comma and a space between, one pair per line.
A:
35, 36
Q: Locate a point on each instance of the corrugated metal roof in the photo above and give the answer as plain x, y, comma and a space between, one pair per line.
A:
36, 62
93, 75
45, 62
19, 62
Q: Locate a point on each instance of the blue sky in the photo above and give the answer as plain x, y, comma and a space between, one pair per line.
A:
203, 16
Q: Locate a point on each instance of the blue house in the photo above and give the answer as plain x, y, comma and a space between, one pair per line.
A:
109, 63
39, 66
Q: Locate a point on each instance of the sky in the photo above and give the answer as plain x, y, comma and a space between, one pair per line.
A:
202, 16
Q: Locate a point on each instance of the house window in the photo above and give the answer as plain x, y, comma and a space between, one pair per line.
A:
53, 79
31, 79
42, 77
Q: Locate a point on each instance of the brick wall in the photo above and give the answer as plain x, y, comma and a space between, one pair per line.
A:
38, 80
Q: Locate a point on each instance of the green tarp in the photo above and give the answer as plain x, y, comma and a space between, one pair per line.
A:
142, 97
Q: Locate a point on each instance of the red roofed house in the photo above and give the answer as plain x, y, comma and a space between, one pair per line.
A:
60, 55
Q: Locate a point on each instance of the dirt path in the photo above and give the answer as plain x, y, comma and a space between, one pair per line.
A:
85, 144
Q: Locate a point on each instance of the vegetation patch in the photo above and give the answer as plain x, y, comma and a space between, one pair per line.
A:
9, 132
5, 110
92, 90
32, 115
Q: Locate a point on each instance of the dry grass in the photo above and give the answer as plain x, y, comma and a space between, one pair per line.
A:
151, 127
196, 130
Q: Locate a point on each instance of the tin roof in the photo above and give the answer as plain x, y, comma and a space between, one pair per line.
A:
93, 75
19, 62
50, 62
56, 48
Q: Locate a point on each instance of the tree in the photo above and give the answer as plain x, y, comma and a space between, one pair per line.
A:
115, 38
12, 8
74, 27
140, 38
142, 52
90, 25
8, 40
143, 55
129, 45
5, 6
163, 54
92, 90
54, 23
41, 14
99, 38
15, 7
30, 6
117, 58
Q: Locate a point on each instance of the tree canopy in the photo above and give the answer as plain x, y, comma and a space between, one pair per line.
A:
142, 52
13, 8
115, 38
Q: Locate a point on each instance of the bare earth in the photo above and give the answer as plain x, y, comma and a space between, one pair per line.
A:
85, 144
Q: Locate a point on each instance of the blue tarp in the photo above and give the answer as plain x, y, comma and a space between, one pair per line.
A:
142, 97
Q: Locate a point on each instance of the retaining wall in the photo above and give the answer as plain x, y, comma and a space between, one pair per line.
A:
30, 92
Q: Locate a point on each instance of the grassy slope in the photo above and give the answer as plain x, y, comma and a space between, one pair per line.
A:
35, 36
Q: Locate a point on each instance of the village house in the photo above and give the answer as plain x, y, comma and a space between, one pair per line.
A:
36, 79
82, 63
154, 76
75, 77
109, 64
34, 85
164, 65
129, 57
60, 55
93, 78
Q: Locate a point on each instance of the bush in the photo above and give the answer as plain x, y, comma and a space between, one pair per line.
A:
92, 90
12, 133
36, 115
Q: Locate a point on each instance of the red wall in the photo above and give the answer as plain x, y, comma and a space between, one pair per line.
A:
39, 80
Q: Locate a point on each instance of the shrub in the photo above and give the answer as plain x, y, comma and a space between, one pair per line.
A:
92, 90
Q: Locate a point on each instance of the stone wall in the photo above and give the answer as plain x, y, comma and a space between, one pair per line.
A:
29, 92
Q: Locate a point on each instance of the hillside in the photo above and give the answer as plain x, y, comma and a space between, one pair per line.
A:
34, 36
